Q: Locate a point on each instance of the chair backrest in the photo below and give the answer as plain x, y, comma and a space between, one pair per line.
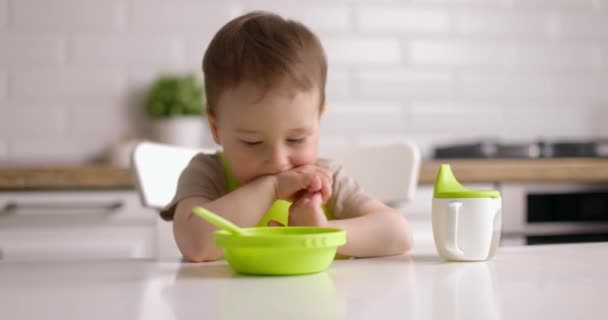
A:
157, 168
389, 173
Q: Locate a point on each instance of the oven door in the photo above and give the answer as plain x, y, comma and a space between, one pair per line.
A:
554, 213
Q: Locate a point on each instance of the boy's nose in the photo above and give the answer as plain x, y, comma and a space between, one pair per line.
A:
278, 159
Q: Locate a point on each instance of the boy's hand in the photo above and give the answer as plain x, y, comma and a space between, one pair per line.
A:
307, 211
292, 184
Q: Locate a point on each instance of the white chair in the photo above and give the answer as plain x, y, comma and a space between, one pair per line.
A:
389, 173
157, 168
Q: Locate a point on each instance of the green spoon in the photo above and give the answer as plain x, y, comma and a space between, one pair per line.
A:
219, 221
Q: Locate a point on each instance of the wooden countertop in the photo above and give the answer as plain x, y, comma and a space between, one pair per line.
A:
467, 171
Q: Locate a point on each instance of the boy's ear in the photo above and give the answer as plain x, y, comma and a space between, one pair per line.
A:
322, 109
213, 127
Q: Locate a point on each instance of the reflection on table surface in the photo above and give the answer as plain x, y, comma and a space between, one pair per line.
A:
557, 282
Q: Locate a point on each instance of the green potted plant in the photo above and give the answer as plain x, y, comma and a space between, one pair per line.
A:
176, 105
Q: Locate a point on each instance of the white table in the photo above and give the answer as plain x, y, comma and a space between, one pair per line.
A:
535, 282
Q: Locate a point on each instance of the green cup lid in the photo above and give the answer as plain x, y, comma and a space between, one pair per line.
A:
446, 186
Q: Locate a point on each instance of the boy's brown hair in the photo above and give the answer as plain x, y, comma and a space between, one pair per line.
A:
264, 49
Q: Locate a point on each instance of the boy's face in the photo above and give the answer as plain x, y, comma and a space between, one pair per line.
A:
264, 134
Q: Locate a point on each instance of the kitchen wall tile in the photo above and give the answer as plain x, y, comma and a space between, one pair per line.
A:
434, 117
3, 152
353, 117
490, 53
3, 85
454, 53
33, 120
466, 3
196, 44
597, 119
3, 13
134, 49
182, 15
357, 50
68, 84
582, 26
408, 19
555, 4
318, 15
31, 50
405, 83
564, 123
68, 150
552, 87
524, 24
116, 118
69, 15
602, 56
339, 84
329, 142
578, 56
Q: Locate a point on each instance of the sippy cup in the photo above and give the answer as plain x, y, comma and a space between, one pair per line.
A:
466, 222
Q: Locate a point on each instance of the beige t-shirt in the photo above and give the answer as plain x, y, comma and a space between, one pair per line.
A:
205, 177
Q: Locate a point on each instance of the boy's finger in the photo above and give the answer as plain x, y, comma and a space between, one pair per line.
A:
316, 184
316, 199
326, 191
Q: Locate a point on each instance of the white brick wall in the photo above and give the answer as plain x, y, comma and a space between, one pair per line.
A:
125, 50
3, 87
351, 117
524, 24
181, 15
402, 19
362, 50
27, 50
321, 16
67, 83
34, 120
3, 13
73, 72
70, 16
404, 83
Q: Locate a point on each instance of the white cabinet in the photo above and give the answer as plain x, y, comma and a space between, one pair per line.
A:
76, 225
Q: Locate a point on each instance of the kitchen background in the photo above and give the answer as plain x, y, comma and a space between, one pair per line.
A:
73, 73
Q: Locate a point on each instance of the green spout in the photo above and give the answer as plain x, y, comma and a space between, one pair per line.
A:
446, 186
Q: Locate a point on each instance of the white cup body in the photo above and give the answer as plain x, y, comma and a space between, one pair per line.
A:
467, 229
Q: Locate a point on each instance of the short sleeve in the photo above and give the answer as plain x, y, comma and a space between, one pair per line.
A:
347, 195
202, 177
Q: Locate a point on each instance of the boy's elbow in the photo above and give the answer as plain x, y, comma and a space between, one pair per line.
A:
203, 254
197, 249
406, 241
407, 244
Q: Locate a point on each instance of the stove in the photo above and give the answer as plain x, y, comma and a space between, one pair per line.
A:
493, 148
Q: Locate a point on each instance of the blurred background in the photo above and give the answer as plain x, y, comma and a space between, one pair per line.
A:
74, 73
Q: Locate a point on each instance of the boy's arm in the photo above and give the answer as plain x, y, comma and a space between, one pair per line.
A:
244, 206
374, 230
194, 236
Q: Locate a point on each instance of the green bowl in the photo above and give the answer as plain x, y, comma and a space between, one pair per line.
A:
281, 250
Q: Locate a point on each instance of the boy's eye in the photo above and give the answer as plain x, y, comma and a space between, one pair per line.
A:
251, 143
296, 141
